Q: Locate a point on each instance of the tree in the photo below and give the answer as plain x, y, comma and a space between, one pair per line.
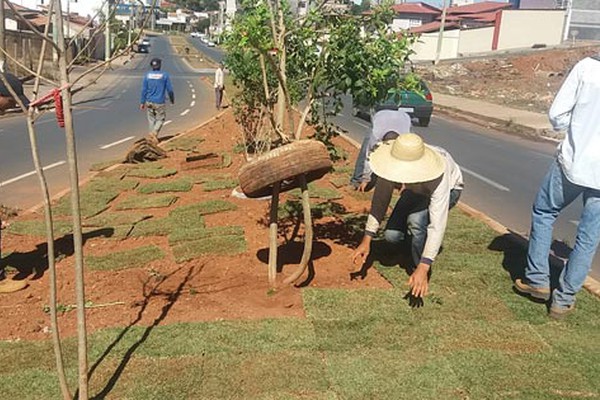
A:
283, 62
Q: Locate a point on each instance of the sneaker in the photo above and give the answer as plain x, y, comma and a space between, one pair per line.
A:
10, 286
538, 293
557, 312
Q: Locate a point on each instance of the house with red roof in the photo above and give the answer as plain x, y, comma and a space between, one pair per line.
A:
411, 15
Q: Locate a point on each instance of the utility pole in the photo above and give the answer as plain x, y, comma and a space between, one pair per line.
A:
2, 34
567, 27
441, 36
130, 23
107, 32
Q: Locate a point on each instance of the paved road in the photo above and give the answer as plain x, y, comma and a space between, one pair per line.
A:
502, 172
214, 53
107, 120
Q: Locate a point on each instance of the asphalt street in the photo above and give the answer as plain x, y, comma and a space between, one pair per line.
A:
107, 121
502, 173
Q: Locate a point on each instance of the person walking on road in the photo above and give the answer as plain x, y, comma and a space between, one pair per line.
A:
155, 87
384, 121
574, 172
430, 184
219, 85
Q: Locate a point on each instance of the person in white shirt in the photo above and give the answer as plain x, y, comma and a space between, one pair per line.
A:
430, 184
219, 86
383, 121
574, 172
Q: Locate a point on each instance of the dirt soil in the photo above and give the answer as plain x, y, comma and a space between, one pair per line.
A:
205, 289
527, 81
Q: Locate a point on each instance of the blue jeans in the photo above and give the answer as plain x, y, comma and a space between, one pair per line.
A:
411, 217
554, 195
359, 166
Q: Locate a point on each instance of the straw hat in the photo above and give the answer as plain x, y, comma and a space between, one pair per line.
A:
407, 160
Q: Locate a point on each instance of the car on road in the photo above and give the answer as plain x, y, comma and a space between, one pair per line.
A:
418, 104
195, 34
210, 44
146, 41
142, 48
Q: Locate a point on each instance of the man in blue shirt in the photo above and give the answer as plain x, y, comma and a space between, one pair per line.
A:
155, 87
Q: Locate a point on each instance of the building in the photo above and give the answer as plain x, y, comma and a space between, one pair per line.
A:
584, 20
412, 15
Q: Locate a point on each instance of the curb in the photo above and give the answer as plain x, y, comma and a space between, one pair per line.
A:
591, 285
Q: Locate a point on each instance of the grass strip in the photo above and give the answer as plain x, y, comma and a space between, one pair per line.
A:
317, 192
115, 219
184, 143
151, 171
37, 228
211, 186
100, 166
178, 236
138, 202
204, 177
133, 258
220, 245
178, 185
194, 210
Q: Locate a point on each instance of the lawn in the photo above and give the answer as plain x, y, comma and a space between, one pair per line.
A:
473, 338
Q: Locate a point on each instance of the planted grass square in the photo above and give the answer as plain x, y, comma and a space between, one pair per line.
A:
187, 235
210, 186
100, 166
178, 185
134, 258
317, 192
38, 228
204, 177
139, 202
115, 219
202, 208
151, 171
184, 143
220, 245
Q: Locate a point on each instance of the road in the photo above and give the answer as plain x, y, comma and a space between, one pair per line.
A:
502, 172
107, 120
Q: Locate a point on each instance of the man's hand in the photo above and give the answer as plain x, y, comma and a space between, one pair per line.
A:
418, 281
362, 251
142, 106
363, 186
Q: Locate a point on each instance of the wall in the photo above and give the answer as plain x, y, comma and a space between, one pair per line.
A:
26, 48
426, 46
475, 40
585, 20
524, 28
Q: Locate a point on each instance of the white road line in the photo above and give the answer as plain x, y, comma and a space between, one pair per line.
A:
576, 223
192, 104
187, 110
107, 146
17, 178
193, 96
193, 90
486, 180
167, 122
363, 124
106, 103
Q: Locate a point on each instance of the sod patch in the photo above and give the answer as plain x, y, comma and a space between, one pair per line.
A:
204, 177
139, 202
211, 186
317, 192
134, 258
151, 171
220, 245
184, 143
152, 227
187, 235
339, 181
202, 208
178, 185
115, 219
38, 228
100, 166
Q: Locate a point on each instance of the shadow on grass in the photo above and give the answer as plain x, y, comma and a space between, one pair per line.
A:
35, 262
386, 255
149, 293
514, 247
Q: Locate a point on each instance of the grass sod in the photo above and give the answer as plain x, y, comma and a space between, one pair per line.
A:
204, 177
474, 338
151, 171
38, 228
220, 245
115, 219
177, 185
178, 236
211, 186
101, 166
317, 192
139, 202
184, 143
133, 258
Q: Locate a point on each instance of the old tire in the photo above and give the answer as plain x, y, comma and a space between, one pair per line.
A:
284, 164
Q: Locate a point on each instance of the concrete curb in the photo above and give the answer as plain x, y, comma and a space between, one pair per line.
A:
591, 284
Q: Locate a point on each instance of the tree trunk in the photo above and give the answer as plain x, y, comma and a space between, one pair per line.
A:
273, 236
308, 234
75, 208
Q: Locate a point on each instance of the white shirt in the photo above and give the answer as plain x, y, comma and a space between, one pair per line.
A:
576, 109
219, 77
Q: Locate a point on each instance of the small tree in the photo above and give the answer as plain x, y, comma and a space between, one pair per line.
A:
283, 62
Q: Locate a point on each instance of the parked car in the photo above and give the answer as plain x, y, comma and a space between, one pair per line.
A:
143, 48
418, 104
210, 44
195, 34
146, 41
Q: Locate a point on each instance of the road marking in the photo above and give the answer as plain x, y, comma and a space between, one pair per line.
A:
193, 96
167, 122
192, 104
106, 103
187, 110
18, 178
193, 90
576, 223
486, 180
363, 124
107, 146
124, 91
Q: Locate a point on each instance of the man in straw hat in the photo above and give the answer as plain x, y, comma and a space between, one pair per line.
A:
574, 172
430, 183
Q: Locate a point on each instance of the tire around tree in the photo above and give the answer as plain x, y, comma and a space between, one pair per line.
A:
285, 164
